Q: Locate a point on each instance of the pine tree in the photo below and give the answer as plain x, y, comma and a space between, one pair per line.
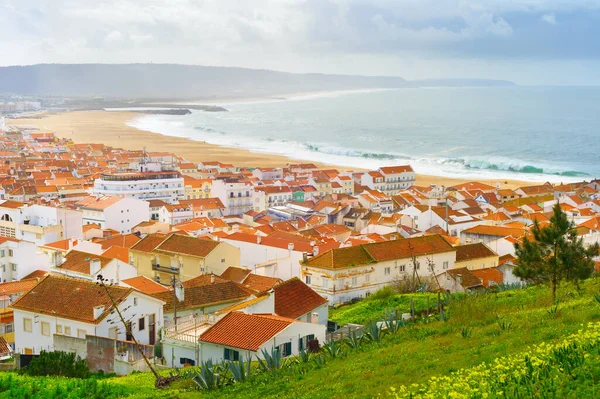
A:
555, 253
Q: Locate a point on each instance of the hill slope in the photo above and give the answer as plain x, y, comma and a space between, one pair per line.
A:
179, 81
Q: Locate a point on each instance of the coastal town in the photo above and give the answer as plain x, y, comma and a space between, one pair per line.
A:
208, 260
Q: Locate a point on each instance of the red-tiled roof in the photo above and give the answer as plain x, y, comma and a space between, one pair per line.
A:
469, 252
245, 331
77, 261
489, 276
145, 285
187, 245
69, 298
293, 299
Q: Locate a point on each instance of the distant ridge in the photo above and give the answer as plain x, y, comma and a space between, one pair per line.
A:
174, 81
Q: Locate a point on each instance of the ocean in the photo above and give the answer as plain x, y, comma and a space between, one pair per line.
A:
524, 133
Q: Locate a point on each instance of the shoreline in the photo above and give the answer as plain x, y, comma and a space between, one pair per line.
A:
110, 128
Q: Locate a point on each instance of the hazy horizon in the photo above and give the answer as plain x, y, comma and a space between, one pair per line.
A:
541, 42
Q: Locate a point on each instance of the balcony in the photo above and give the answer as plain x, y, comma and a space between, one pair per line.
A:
165, 269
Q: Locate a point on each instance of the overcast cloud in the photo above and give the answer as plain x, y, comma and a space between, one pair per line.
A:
528, 41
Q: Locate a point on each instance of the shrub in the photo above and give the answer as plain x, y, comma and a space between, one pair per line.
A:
382, 293
58, 363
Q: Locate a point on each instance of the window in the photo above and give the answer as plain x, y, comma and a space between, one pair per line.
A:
303, 342
230, 354
402, 268
81, 333
222, 260
185, 360
59, 329
10, 327
354, 281
2, 253
307, 280
141, 324
445, 265
10, 252
27, 325
367, 278
134, 301
13, 266
325, 282
67, 330
285, 349
45, 328
386, 271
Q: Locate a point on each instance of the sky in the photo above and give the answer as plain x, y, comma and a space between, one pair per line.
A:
531, 42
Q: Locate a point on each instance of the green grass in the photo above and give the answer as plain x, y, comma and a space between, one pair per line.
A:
374, 307
502, 324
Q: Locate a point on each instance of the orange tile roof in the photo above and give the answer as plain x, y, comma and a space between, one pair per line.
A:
187, 245
36, 274
396, 169
79, 262
489, 276
126, 241
260, 283
497, 231
201, 292
245, 331
17, 287
469, 252
236, 274
70, 298
469, 280
145, 285
293, 299
148, 243
117, 252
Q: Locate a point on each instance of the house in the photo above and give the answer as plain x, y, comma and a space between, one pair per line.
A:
77, 308
358, 271
376, 201
397, 178
486, 234
160, 257
489, 276
10, 292
250, 280
459, 280
203, 295
83, 265
240, 335
120, 214
475, 256
18, 258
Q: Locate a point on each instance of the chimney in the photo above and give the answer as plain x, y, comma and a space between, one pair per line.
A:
459, 278
258, 239
212, 278
312, 243
315, 250
95, 266
291, 246
98, 310
315, 318
304, 257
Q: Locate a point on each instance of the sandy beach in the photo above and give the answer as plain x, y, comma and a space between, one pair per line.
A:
110, 129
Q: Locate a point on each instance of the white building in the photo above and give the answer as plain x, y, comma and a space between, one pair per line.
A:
354, 272
39, 224
19, 258
83, 265
111, 212
235, 194
166, 186
76, 308
390, 179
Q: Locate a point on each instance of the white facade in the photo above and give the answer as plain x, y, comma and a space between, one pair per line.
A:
268, 261
40, 224
165, 186
237, 196
44, 326
19, 258
114, 271
342, 285
121, 216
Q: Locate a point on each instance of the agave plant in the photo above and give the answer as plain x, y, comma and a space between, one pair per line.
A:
391, 324
304, 356
271, 360
374, 332
353, 340
209, 377
240, 370
333, 349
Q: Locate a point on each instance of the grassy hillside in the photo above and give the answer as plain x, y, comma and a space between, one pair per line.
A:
478, 330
